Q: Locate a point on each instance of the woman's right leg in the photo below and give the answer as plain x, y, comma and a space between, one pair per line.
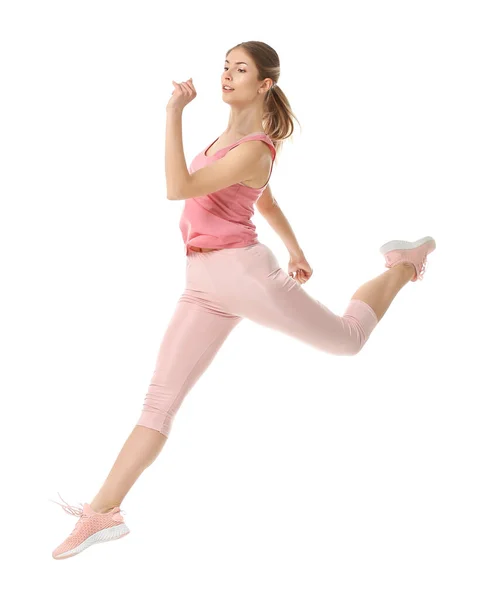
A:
195, 333
139, 451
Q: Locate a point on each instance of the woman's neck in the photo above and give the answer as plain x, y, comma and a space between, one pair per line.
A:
242, 131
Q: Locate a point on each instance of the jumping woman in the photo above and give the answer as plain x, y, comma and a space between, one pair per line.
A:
230, 275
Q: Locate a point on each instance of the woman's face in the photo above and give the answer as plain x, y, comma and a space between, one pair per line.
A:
240, 74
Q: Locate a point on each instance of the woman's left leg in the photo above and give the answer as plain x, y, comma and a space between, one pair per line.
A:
381, 291
250, 283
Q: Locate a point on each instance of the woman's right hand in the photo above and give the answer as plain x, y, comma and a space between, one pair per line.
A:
299, 269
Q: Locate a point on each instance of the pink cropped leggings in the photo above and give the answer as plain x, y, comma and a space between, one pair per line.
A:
222, 288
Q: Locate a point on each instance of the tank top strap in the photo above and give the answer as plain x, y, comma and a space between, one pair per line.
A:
257, 136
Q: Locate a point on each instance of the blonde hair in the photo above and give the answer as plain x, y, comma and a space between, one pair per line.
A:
278, 116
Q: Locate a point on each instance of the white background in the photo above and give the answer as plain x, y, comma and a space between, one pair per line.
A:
288, 473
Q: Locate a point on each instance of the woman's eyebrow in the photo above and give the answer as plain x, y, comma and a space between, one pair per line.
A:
238, 63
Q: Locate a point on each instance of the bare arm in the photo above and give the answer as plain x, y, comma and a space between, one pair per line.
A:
269, 209
176, 167
240, 164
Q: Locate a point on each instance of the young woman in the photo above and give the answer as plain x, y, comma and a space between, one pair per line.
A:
230, 275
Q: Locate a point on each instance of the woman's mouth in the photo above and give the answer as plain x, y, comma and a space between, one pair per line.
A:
226, 89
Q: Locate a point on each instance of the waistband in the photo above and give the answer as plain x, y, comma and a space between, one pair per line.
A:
197, 249
239, 249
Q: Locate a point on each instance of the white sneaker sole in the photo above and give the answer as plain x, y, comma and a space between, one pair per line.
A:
105, 535
403, 245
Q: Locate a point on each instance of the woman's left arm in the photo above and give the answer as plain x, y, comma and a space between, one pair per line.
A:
177, 173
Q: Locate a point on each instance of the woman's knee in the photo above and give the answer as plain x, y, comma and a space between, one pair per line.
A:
353, 337
349, 348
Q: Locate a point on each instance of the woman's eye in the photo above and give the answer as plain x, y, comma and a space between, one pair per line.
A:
243, 70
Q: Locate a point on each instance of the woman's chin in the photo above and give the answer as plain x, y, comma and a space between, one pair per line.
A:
226, 95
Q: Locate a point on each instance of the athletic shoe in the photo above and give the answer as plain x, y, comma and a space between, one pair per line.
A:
91, 528
415, 253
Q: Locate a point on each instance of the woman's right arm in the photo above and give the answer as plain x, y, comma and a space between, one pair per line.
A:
272, 213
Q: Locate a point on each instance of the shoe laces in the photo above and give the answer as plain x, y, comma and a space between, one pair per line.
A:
75, 510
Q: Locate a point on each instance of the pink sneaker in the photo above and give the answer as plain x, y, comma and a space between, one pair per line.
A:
91, 528
399, 251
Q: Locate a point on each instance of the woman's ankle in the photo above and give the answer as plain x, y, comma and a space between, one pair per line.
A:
101, 509
407, 267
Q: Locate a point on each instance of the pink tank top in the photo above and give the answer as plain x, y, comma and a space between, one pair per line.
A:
222, 219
